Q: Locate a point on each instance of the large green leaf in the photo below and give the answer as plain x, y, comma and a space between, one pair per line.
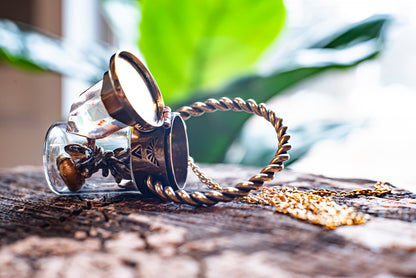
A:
192, 44
211, 136
23, 46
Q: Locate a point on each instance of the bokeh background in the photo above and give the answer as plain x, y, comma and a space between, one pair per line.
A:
340, 73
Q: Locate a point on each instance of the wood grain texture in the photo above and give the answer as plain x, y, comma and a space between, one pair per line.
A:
107, 235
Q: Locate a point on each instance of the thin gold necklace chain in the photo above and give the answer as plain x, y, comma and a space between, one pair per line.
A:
313, 206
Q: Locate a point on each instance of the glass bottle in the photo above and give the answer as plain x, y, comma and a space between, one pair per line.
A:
74, 164
119, 162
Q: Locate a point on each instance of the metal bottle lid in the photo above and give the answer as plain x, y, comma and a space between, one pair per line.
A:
131, 100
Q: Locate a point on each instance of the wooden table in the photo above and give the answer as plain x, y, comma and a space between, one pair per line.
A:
45, 235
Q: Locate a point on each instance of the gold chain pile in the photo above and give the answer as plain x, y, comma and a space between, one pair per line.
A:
313, 206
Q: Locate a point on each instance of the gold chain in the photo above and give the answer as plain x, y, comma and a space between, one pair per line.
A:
313, 206
202, 176
380, 188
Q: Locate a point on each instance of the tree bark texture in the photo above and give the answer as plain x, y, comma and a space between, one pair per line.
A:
126, 235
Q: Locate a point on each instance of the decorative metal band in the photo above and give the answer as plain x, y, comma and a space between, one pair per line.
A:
228, 194
162, 152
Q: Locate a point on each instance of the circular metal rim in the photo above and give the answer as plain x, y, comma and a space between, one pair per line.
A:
150, 83
173, 166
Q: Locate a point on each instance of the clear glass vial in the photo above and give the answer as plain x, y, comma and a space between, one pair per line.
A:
120, 162
69, 162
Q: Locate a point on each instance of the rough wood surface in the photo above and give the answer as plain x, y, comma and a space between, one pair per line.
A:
45, 235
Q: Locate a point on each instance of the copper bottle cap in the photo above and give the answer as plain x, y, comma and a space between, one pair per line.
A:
130, 93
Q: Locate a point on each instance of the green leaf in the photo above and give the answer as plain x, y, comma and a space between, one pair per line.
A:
24, 47
211, 136
366, 30
192, 44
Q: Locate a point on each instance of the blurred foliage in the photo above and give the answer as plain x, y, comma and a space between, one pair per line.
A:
193, 48
305, 136
244, 151
25, 47
191, 44
211, 136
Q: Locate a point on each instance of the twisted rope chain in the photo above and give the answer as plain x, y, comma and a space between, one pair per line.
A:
227, 194
314, 206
